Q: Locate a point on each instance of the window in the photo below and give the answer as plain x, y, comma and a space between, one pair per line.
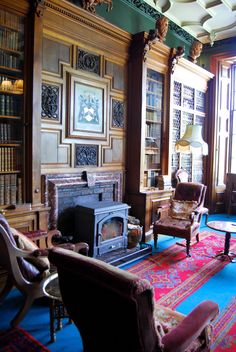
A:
232, 153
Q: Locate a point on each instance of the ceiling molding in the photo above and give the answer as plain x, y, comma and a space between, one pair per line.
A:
200, 18
150, 11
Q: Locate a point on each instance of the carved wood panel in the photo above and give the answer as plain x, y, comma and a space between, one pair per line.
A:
83, 91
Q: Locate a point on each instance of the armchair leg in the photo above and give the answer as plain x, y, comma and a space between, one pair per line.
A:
197, 237
155, 237
188, 248
206, 218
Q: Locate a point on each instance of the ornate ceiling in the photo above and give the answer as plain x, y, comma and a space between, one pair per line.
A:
206, 20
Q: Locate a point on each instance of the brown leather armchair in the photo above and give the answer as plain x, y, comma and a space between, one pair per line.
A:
182, 216
115, 311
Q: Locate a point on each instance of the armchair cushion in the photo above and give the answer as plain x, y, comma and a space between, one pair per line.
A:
177, 227
25, 243
29, 271
182, 209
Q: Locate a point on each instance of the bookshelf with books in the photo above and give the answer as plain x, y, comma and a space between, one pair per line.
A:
153, 120
188, 104
148, 130
11, 107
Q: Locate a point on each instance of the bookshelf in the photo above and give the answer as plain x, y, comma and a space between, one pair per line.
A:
153, 128
147, 131
11, 107
189, 85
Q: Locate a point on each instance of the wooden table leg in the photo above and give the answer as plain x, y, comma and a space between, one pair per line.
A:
226, 254
52, 323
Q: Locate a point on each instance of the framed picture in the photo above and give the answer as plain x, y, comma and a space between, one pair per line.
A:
88, 110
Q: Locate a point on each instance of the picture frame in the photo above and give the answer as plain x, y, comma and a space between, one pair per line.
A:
87, 107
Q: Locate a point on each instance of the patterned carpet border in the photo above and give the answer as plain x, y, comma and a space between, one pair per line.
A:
224, 338
19, 340
175, 277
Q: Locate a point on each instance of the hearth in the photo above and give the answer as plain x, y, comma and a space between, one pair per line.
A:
64, 192
103, 225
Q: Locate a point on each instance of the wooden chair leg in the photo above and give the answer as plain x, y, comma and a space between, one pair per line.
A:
206, 219
155, 238
188, 248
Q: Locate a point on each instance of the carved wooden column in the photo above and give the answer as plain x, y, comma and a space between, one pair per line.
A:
33, 115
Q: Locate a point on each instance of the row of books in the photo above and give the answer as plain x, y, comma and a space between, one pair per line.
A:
153, 130
154, 100
9, 159
150, 178
153, 115
10, 189
10, 61
10, 105
10, 40
10, 20
154, 86
9, 133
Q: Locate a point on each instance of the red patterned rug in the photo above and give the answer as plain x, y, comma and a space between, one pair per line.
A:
18, 340
175, 277
225, 329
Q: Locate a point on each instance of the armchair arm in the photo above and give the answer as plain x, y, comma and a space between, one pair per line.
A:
23, 253
82, 247
50, 235
178, 339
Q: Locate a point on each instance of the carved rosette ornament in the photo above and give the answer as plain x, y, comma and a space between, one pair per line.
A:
156, 35
195, 51
90, 5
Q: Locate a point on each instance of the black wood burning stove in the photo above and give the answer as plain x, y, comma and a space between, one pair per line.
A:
103, 225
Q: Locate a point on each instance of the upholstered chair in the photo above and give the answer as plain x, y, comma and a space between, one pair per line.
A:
182, 175
26, 264
115, 311
182, 216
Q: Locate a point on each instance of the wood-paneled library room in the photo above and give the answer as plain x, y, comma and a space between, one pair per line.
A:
117, 175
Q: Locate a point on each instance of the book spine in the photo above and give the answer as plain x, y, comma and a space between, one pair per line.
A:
1, 189
13, 179
7, 189
19, 190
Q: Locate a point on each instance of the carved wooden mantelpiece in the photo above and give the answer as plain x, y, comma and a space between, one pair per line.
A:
73, 188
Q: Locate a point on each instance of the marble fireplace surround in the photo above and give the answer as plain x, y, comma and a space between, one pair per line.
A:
62, 192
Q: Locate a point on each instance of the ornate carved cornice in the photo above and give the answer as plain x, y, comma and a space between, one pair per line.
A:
84, 19
149, 10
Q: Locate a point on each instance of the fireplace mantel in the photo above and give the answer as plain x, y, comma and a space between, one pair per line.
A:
67, 190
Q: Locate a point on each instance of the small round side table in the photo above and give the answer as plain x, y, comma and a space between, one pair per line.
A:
57, 308
228, 227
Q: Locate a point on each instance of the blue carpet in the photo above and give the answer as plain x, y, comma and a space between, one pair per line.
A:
220, 288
